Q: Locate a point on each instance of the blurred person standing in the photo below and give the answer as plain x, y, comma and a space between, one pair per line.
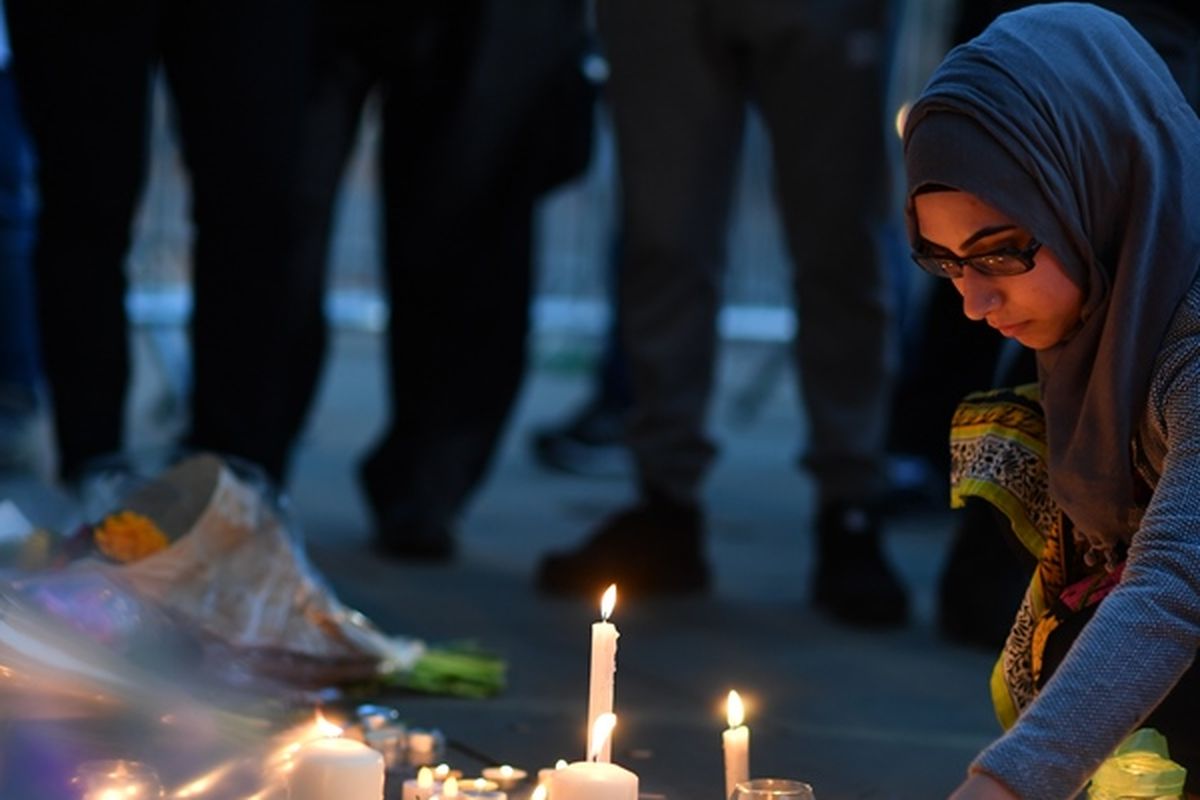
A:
234, 71
483, 109
682, 74
20, 373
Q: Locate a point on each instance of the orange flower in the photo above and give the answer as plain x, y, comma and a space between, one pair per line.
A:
129, 536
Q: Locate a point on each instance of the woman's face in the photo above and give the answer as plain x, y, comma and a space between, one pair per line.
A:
1038, 308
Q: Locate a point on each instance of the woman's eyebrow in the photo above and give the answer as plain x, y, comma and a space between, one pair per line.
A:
983, 233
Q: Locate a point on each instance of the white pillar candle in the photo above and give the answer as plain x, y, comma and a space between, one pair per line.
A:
603, 669
336, 769
736, 742
593, 780
421, 787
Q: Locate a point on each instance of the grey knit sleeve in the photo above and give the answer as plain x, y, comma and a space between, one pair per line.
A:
1145, 634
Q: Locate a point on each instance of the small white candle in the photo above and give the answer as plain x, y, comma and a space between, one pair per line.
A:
336, 769
736, 742
603, 669
477, 785
505, 776
420, 787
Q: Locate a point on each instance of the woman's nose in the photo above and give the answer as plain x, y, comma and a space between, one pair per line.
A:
979, 293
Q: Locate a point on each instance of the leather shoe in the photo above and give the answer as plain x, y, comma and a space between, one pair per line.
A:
654, 548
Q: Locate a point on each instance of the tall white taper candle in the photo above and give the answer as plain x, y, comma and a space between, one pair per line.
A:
603, 669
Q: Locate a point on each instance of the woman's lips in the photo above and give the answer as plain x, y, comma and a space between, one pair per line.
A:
1010, 330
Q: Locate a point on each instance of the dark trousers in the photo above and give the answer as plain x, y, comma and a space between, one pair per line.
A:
683, 72
19, 368
457, 223
235, 71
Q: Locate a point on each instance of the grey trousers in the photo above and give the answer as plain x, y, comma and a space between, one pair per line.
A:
682, 74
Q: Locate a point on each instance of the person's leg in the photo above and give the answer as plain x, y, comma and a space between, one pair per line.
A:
83, 74
457, 278
819, 78
340, 81
678, 100
591, 440
238, 73
20, 368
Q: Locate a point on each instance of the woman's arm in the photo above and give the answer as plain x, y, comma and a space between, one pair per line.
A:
1145, 634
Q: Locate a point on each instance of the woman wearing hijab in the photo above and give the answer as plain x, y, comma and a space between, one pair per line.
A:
1054, 176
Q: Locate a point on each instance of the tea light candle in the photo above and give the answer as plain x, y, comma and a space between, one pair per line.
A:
473, 786
442, 771
505, 777
336, 769
419, 788
736, 744
603, 670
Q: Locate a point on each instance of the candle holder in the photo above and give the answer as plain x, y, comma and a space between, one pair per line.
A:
772, 789
109, 778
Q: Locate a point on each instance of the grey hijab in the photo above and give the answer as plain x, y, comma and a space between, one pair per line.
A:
1063, 117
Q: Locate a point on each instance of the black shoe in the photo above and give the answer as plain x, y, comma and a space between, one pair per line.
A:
591, 444
425, 541
854, 581
656, 548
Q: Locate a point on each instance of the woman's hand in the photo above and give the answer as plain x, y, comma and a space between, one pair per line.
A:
982, 787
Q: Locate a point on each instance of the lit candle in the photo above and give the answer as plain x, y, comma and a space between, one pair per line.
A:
449, 787
544, 775
604, 666
443, 771
336, 769
506, 777
593, 779
736, 741
117, 780
419, 788
472, 786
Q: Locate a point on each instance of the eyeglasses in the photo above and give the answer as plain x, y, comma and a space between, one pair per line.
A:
1004, 261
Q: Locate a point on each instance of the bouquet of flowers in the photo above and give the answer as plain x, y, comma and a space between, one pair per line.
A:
207, 546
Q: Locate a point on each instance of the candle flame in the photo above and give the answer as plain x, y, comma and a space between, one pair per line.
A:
602, 729
323, 728
539, 793
506, 771
481, 784
735, 712
450, 787
425, 778
560, 764
441, 771
608, 602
